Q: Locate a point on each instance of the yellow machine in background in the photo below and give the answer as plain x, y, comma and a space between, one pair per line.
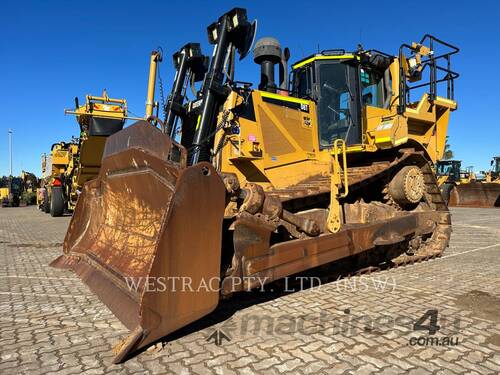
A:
100, 117
266, 182
54, 167
16, 190
493, 175
73, 166
75, 163
11, 188
41, 191
460, 187
4, 193
450, 171
30, 184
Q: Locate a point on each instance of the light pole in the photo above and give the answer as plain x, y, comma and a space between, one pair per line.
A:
10, 150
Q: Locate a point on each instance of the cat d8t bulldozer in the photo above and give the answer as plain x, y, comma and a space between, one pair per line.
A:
461, 188
247, 186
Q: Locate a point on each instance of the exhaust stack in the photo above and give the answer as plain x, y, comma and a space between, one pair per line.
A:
267, 53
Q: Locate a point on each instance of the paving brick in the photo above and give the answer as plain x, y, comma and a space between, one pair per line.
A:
51, 323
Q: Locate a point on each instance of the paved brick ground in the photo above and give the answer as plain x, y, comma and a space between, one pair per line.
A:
50, 322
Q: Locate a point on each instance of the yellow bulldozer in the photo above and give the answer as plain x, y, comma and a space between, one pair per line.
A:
461, 187
243, 186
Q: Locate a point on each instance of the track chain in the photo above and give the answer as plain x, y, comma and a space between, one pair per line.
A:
431, 248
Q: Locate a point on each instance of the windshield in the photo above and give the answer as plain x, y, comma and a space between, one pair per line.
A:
333, 110
447, 169
497, 166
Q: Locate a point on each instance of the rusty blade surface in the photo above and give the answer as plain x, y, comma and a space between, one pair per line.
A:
144, 222
475, 194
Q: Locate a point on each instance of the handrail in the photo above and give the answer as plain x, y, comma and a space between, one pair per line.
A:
344, 165
433, 68
335, 210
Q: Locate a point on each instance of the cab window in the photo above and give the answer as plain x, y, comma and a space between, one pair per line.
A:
372, 88
333, 110
302, 83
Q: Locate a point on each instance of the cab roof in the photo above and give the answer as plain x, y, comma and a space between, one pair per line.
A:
332, 54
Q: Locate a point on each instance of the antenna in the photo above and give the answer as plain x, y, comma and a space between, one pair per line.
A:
10, 151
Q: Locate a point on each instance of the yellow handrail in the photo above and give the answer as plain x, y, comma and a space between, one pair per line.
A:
344, 165
335, 211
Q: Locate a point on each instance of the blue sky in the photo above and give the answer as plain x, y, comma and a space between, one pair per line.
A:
52, 51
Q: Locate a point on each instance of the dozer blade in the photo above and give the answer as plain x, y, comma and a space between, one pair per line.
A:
145, 233
475, 194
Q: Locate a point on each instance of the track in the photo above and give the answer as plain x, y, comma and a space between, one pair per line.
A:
429, 248
367, 179
438, 242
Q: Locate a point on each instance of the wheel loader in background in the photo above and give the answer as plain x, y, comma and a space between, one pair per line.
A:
493, 175
265, 183
461, 188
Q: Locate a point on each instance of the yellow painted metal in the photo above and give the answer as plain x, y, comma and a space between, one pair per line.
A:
290, 99
4, 193
323, 57
153, 66
277, 146
85, 160
99, 106
335, 213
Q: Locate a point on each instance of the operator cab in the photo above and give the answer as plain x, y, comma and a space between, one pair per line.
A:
342, 85
496, 165
450, 168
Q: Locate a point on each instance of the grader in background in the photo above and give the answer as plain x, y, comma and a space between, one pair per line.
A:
268, 182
